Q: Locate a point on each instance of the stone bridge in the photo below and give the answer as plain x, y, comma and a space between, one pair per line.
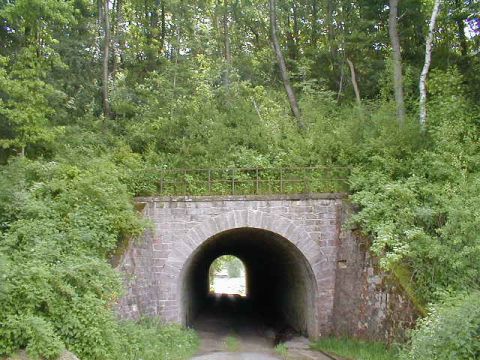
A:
301, 262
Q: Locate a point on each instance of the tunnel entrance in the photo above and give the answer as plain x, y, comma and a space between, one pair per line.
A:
280, 284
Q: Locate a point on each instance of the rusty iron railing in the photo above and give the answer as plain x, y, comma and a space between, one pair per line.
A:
252, 181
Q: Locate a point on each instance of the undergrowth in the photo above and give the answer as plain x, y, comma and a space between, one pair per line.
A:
355, 349
150, 340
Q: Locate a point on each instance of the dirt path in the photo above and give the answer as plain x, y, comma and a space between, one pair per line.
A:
237, 334
219, 331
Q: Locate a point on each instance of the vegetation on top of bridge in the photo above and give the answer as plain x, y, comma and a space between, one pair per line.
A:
253, 181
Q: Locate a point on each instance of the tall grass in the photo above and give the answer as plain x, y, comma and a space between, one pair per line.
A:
355, 349
152, 340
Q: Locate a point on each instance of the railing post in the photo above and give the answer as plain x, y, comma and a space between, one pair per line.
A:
185, 182
161, 182
310, 180
304, 181
307, 180
233, 181
257, 182
209, 181
281, 180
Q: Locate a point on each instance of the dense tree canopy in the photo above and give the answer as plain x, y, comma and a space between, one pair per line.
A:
97, 97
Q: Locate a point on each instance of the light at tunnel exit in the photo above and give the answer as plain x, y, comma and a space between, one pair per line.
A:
227, 276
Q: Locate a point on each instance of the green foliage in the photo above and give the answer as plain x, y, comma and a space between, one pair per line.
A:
63, 220
232, 264
234, 268
450, 331
355, 349
27, 103
417, 199
31, 332
150, 340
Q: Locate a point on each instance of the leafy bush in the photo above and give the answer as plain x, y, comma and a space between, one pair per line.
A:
59, 225
450, 331
417, 195
31, 332
60, 221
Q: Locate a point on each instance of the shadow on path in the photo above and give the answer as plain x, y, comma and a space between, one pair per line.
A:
232, 328
232, 323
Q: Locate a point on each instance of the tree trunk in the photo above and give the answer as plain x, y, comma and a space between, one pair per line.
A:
283, 68
120, 36
331, 32
163, 29
461, 31
176, 55
226, 42
158, 24
155, 19
106, 58
314, 33
354, 82
116, 51
426, 65
290, 38
340, 83
296, 32
397, 61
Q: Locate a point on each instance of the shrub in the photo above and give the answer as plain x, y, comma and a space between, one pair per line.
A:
32, 332
450, 331
62, 222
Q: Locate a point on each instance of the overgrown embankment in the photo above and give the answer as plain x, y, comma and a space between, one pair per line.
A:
60, 221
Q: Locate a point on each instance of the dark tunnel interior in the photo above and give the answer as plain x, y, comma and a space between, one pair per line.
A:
281, 287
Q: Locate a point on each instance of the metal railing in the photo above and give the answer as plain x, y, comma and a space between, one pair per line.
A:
252, 181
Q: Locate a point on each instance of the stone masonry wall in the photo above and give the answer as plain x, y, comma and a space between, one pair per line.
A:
154, 264
352, 298
369, 303
140, 283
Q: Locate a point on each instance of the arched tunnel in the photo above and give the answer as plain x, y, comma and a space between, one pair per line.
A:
281, 286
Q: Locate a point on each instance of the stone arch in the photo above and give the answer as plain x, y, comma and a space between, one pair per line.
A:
186, 244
